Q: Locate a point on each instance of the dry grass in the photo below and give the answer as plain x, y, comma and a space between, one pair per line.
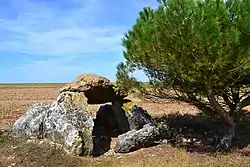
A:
16, 98
20, 153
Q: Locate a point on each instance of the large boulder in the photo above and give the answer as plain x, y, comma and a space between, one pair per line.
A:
136, 139
137, 116
69, 124
65, 122
30, 124
96, 88
101, 145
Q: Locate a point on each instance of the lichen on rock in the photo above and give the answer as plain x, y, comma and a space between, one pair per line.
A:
137, 117
96, 88
136, 139
70, 128
31, 123
72, 100
67, 122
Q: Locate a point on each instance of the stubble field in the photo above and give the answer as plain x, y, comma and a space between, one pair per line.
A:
16, 98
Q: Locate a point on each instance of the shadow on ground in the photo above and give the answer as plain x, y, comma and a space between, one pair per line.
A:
199, 133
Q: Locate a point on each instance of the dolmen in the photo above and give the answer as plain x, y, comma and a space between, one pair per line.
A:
67, 122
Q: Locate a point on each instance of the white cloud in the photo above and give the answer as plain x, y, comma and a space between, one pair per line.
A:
68, 27
63, 69
65, 41
73, 28
39, 29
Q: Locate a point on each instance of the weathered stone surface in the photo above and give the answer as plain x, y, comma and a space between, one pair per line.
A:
31, 123
71, 100
121, 117
164, 132
113, 120
69, 124
85, 82
96, 88
136, 139
137, 117
65, 122
110, 120
106, 123
101, 144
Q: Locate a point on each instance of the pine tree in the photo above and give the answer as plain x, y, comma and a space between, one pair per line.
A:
198, 48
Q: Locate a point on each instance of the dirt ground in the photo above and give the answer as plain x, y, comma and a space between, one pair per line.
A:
16, 98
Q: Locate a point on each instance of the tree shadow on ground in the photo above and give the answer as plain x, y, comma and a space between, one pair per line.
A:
200, 133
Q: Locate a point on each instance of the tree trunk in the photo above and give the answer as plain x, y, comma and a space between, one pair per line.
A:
225, 142
224, 115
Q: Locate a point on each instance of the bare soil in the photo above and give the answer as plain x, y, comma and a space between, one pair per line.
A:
16, 98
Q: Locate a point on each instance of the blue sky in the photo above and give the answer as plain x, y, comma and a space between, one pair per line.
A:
56, 40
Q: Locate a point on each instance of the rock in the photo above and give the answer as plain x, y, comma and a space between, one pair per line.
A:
101, 145
96, 88
65, 122
137, 117
106, 123
136, 139
71, 100
164, 131
31, 123
120, 115
69, 124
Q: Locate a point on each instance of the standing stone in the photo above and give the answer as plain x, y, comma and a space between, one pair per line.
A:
31, 123
106, 123
121, 117
137, 117
65, 122
101, 144
69, 124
